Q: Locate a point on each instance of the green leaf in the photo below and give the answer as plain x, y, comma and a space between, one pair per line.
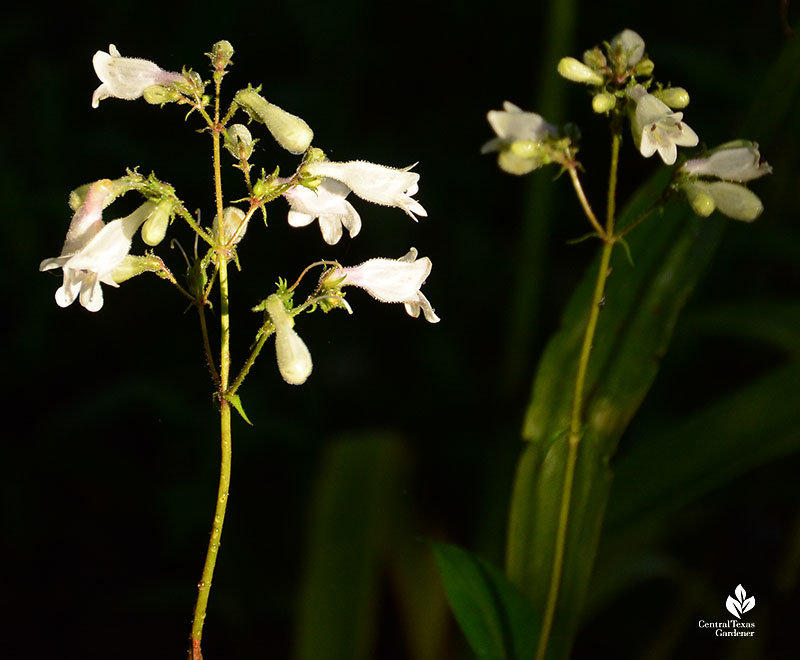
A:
674, 466
236, 402
497, 619
634, 328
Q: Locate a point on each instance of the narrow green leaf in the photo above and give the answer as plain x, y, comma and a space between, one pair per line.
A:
677, 465
642, 304
497, 619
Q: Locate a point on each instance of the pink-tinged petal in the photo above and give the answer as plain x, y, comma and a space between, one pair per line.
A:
127, 77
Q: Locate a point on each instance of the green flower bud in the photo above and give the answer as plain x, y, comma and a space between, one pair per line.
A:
735, 201
289, 131
644, 68
674, 97
133, 265
221, 54
155, 227
526, 148
159, 95
594, 58
239, 142
603, 102
509, 162
577, 71
701, 202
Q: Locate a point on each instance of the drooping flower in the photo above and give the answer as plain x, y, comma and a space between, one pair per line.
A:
92, 250
378, 184
127, 77
519, 136
294, 358
733, 161
656, 128
327, 203
392, 281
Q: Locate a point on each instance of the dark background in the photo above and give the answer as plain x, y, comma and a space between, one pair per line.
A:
110, 450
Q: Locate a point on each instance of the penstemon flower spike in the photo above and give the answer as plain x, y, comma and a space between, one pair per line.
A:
96, 252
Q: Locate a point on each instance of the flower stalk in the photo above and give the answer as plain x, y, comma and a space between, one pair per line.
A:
576, 416
204, 586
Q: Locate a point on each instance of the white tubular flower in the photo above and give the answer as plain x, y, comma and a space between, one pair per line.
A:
513, 125
375, 183
656, 128
126, 77
734, 161
294, 358
392, 281
327, 203
93, 250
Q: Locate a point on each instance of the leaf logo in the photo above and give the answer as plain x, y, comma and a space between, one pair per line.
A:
741, 604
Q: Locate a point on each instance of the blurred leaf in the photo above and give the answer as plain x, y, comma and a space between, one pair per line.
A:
773, 322
350, 522
642, 304
679, 464
496, 618
421, 600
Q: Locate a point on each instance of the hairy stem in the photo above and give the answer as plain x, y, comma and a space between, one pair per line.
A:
204, 587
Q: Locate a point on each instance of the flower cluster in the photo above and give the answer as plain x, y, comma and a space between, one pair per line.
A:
96, 253
715, 181
620, 77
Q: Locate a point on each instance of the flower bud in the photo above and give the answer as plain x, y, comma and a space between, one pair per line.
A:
735, 201
594, 58
232, 219
239, 142
701, 202
644, 68
159, 95
289, 131
294, 358
155, 227
603, 102
577, 71
221, 54
674, 97
134, 265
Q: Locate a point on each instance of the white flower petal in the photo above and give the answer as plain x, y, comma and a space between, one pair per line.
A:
391, 280
126, 77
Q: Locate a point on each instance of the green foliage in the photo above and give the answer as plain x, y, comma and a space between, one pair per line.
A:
498, 621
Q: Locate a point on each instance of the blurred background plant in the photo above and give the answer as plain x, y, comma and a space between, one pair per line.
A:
414, 436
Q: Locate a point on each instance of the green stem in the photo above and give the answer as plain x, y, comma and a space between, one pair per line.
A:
204, 587
576, 416
587, 209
